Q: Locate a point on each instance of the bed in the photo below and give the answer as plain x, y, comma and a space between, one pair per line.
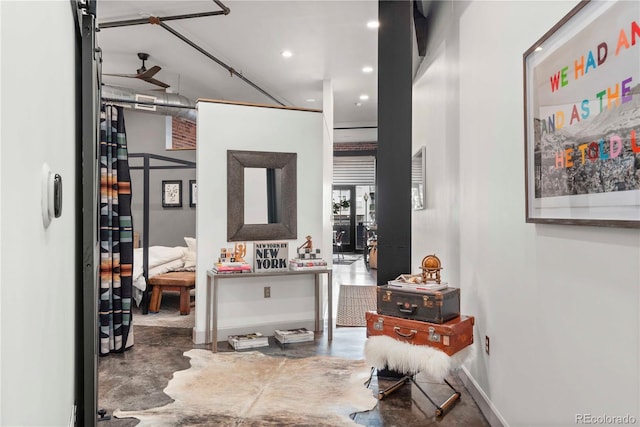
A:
170, 268
151, 262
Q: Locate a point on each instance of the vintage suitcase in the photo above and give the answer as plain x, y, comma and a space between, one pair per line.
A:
450, 337
435, 307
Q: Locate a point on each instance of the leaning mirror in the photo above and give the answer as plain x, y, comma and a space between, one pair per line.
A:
418, 170
261, 195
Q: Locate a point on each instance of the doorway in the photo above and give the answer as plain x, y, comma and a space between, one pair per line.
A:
344, 219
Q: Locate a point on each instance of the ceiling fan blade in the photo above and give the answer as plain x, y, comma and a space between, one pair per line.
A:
156, 82
149, 73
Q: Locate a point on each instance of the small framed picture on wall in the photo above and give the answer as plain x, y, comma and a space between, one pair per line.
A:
171, 194
192, 192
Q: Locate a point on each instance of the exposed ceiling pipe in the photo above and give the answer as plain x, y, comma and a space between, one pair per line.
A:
140, 21
150, 101
159, 20
230, 69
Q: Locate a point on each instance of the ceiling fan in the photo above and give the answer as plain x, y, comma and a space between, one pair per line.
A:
143, 73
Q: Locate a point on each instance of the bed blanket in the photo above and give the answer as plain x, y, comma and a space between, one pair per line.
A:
162, 259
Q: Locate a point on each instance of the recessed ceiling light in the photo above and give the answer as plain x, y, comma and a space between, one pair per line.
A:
311, 100
539, 48
367, 69
287, 54
358, 104
364, 97
373, 24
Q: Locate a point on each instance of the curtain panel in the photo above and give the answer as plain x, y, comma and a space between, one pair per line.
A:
116, 234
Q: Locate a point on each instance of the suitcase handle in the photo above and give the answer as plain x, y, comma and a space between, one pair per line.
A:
410, 335
403, 309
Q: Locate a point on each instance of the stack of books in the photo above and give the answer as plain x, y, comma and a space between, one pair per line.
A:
308, 259
418, 287
287, 336
307, 264
241, 342
414, 283
231, 267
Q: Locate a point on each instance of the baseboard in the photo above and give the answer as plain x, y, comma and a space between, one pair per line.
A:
199, 336
487, 407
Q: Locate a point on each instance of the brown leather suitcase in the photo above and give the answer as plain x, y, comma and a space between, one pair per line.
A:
435, 307
450, 337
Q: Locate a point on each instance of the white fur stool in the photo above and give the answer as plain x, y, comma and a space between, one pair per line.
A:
385, 352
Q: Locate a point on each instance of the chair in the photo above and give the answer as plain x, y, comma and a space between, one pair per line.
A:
337, 243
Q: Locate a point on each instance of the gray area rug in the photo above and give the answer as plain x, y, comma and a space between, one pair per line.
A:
252, 389
353, 302
169, 315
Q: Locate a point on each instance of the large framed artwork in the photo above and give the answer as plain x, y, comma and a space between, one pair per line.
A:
171, 194
418, 184
193, 192
582, 118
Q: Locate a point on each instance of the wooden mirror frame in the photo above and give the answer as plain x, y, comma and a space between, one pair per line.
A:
237, 230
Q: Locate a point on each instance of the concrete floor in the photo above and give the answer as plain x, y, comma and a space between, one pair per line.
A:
135, 379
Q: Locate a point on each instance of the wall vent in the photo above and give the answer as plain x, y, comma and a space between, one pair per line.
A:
147, 100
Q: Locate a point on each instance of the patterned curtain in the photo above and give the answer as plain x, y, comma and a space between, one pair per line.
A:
116, 234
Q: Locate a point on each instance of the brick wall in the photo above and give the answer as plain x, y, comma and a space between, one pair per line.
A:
183, 134
355, 146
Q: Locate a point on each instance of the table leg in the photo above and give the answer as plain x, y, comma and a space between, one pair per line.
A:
318, 303
214, 315
330, 298
208, 308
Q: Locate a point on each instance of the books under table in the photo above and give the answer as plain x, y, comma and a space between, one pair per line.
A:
241, 342
285, 336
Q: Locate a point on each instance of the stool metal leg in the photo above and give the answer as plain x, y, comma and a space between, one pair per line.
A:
393, 387
367, 383
447, 404
441, 409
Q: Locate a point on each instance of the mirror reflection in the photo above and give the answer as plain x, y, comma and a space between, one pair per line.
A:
262, 195
418, 180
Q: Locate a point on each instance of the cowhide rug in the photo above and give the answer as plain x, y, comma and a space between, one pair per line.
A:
252, 389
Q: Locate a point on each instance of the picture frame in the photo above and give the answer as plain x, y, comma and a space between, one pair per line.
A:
192, 193
582, 119
172, 194
418, 179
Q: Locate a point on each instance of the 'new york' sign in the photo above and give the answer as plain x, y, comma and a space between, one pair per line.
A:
270, 256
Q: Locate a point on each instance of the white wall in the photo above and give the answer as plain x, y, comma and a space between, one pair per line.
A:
435, 125
222, 127
560, 303
39, 270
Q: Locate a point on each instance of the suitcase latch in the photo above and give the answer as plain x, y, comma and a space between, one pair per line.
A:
379, 324
426, 302
432, 335
387, 296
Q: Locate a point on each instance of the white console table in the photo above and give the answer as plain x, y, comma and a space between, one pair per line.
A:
214, 279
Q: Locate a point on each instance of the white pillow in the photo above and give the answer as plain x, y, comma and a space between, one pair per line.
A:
190, 259
191, 243
190, 254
